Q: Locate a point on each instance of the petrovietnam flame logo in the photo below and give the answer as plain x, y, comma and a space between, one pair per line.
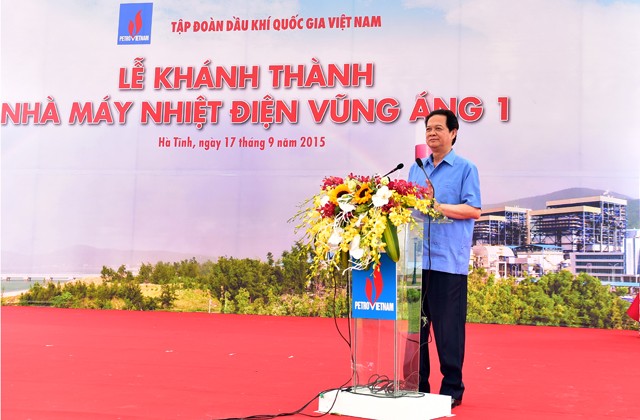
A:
136, 24
373, 289
370, 299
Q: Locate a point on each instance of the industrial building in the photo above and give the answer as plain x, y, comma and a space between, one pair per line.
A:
590, 224
585, 235
506, 225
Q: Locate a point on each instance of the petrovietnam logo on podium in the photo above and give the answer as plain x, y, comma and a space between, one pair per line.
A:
374, 291
134, 24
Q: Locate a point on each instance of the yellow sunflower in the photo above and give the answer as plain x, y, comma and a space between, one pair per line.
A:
363, 195
337, 192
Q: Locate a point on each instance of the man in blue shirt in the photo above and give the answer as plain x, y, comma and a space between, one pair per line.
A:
446, 252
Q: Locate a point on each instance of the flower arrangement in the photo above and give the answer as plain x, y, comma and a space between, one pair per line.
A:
356, 218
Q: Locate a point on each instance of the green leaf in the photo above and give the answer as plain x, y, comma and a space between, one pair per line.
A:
390, 237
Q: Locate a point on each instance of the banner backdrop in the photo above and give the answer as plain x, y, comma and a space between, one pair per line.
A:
141, 131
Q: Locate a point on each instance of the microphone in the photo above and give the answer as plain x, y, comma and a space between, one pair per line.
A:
421, 165
400, 166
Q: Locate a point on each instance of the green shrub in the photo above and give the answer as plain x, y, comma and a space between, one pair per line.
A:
64, 300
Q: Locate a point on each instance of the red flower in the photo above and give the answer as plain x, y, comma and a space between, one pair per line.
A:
331, 181
360, 178
328, 210
390, 205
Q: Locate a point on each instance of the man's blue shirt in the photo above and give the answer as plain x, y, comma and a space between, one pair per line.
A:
447, 246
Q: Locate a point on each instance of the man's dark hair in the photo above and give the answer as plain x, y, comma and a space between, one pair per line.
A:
452, 120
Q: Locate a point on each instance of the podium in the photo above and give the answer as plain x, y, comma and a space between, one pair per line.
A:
385, 318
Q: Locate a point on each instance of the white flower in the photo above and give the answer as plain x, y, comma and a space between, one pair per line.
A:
355, 250
382, 196
324, 200
336, 237
346, 207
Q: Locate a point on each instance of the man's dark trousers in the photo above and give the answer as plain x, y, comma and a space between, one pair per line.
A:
445, 307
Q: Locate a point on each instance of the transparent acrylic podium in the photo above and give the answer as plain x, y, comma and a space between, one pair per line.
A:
385, 342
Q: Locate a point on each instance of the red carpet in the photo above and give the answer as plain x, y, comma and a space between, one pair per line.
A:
89, 364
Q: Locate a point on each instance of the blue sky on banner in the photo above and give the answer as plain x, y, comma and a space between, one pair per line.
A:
569, 69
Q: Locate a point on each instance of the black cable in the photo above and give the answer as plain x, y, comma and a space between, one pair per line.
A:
335, 319
341, 388
380, 386
292, 413
425, 284
424, 295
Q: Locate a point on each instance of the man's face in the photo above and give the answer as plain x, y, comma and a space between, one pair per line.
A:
439, 138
